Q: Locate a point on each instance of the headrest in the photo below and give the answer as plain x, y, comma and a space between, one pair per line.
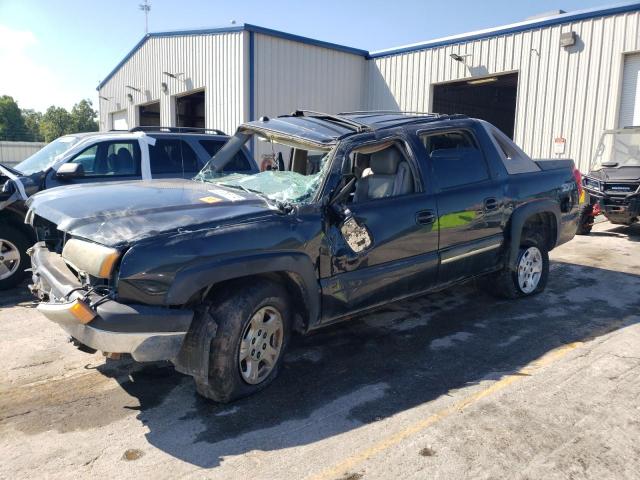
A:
386, 161
124, 154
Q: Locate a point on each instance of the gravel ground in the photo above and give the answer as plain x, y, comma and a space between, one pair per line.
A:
451, 385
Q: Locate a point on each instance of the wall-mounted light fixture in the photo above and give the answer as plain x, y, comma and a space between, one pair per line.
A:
130, 97
107, 99
173, 75
132, 88
480, 81
459, 58
568, 39
164, 87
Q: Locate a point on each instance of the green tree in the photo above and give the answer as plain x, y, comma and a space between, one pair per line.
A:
12, 125
83, 117
32, 121
56, 122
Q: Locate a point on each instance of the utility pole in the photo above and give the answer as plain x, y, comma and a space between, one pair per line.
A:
145, 7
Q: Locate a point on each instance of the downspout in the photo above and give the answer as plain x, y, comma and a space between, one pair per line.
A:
251, 87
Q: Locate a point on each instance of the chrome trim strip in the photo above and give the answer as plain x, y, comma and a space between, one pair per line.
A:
470, 253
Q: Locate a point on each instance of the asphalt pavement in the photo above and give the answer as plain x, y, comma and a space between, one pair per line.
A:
451, 385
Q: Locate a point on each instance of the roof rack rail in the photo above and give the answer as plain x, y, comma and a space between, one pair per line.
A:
408, 112
401, 112
357, 126
213, 131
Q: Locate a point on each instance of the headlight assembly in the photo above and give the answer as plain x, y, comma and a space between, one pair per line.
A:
594, 184
96, 260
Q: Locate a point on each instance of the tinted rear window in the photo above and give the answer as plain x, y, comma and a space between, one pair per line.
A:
172, 155
239, 162
456, 158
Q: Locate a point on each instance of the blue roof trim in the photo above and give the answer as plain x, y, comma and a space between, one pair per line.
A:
465, 37
512, 28
235, 28
307, 40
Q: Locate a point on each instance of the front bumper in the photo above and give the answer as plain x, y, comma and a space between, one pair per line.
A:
618, 209
147, 333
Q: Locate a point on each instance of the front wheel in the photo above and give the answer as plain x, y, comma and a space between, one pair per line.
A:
253, 332
531, 273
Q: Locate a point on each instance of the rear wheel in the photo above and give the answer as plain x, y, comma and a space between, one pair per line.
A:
585, 219
253, 332
531, 273
13, 256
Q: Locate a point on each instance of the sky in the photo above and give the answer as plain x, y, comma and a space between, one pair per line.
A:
55, 52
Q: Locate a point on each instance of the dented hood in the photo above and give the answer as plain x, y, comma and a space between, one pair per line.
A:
119, 213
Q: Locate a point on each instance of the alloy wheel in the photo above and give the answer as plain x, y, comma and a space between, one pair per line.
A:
261, 345
530, 270
9, 259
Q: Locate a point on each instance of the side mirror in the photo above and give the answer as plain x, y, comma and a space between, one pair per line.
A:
70, 170
355, 234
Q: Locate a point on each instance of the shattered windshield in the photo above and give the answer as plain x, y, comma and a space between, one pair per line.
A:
618, 149
292, 171
46, 156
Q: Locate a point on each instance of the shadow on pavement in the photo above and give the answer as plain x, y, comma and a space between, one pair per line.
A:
383, 363
631, 232
19, 295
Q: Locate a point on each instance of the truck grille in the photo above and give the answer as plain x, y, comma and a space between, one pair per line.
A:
622, 189
48, 232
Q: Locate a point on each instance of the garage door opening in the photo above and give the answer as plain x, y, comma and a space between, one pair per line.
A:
119, 120
149, 114
492, 99
630, 99
190, 110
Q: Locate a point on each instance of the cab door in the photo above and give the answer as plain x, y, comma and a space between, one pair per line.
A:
384, 246
470, 203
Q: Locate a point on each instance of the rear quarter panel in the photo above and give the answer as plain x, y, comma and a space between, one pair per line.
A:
551, 183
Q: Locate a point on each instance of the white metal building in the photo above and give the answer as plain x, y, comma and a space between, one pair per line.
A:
553, 83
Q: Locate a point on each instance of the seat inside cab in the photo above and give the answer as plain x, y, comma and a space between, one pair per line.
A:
381, 171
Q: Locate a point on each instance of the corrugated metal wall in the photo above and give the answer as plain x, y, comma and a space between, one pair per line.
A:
215, 63
291, 75
572, 93
14, 152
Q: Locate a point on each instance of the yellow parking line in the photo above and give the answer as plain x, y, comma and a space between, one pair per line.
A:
392, 440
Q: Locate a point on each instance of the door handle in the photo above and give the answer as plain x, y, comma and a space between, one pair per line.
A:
425, 217
490, 203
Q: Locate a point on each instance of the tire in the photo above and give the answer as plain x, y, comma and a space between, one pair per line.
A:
507, 283
230, 377
585, 219
13, 256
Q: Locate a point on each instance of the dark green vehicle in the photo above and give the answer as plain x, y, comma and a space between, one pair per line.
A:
216, 273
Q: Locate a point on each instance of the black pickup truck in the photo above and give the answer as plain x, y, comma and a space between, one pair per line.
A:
360, 210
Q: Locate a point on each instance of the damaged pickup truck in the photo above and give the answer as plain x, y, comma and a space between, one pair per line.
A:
216, 273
